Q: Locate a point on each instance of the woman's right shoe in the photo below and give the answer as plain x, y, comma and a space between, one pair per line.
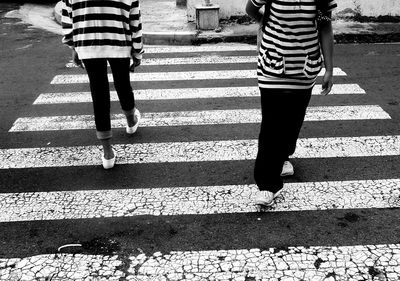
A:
108, 163
266, 198
132, 130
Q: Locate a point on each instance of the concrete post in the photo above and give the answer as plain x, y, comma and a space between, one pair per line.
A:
207, 17
181, 3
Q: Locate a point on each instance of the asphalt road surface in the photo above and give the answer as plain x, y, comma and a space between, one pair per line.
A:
178, 204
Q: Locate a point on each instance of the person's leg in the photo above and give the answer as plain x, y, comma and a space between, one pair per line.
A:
99, 87
122, 83
295, 114
271, 153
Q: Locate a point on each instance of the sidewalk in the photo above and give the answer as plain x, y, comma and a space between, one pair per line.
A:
166, 23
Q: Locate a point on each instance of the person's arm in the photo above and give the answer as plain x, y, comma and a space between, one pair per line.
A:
253, 10
326, 40
66, 23
136, 29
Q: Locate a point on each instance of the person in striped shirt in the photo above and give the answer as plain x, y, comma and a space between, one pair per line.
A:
101, 31
297, 38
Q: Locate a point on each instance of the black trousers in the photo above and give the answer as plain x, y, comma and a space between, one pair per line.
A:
100, 90
283, 113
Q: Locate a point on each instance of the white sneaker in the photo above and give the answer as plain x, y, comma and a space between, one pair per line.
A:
108, 163
132, 130
266, 198
287, 169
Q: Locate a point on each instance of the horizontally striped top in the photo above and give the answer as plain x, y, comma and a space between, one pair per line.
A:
103, 28
290, 56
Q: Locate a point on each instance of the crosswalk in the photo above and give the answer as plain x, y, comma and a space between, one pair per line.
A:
293, 262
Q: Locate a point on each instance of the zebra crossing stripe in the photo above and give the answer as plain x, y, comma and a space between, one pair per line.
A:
295, 263
212, 59
200, 60
199, 151
154, 94
176, 76
193, 118
167, 201
200, 49
350, 263
189, 93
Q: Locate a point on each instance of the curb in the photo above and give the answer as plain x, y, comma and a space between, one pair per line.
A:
206, 39
177, 37
370, 38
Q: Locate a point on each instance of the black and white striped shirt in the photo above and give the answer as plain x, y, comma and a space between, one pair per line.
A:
290, 56
103, 28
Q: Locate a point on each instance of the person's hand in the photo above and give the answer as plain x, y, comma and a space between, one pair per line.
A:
327, 83
76, 60
135, 63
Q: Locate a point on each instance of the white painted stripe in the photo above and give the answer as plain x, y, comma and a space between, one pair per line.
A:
350, 263
202, 48
231, 199
164, 76
208, 59
200, 60
341, 89
71, 267
194, 118
177, 76
195, 152
190, 93
154, 94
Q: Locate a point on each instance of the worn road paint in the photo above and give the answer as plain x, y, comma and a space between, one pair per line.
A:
350, 263
197, 151
195, 118
187, 93
176, 76
167, 201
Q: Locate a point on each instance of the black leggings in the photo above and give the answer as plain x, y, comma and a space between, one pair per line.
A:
283, 113
100, 90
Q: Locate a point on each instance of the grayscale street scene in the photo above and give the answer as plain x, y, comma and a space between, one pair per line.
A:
181, 201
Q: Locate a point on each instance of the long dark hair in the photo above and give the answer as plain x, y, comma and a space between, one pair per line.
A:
322, 6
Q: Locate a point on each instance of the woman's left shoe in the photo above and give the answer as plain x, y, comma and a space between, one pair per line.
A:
287, 169
132, 130
108, 163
